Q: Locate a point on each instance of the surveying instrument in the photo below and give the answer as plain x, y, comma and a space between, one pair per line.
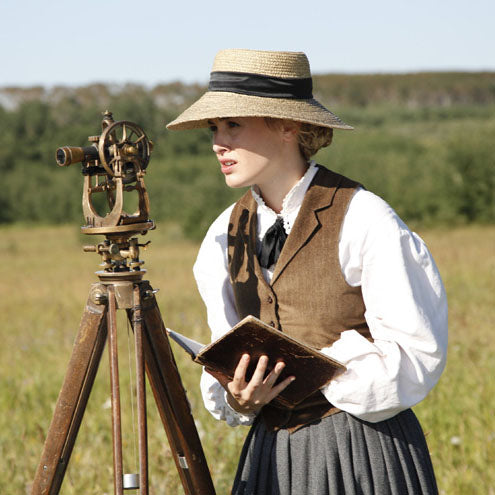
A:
112, 165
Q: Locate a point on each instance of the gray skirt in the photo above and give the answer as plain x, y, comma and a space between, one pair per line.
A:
339, 454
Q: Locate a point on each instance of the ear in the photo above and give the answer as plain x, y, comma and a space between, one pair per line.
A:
289, 130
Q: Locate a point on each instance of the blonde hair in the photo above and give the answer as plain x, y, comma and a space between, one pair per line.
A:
311, 138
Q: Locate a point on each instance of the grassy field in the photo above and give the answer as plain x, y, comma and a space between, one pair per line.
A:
44, 286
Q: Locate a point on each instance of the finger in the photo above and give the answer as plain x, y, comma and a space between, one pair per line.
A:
240, 370
259, 372
274, 374
281, 386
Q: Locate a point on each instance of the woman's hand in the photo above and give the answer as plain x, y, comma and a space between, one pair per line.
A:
249, 397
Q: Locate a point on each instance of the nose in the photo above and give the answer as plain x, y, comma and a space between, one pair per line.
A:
220, 142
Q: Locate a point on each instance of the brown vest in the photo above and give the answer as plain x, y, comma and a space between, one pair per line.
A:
308, 297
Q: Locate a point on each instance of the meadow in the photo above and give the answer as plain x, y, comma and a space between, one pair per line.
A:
44, 285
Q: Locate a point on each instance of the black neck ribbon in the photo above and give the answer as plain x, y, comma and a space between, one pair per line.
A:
261, 85
272, 244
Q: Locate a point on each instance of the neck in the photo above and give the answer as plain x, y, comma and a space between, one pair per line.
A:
274, 191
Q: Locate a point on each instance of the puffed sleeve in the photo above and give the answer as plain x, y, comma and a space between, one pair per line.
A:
406, 311
211, 274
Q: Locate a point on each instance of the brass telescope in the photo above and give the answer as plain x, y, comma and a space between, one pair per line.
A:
68, 155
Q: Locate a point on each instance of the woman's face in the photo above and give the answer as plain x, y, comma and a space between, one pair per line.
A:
249, 151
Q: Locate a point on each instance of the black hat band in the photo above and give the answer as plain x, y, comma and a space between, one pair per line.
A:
261, 85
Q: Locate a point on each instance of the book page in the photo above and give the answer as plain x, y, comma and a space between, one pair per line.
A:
189, 345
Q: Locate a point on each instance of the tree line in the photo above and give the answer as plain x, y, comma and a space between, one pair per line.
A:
424, 142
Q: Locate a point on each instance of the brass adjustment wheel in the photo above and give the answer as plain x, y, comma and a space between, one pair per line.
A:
124, 150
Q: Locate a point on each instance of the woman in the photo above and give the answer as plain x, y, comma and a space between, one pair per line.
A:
314, 254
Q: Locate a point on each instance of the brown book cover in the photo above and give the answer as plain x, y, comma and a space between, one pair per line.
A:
311, 368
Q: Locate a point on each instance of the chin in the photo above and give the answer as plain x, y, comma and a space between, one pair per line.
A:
235, 184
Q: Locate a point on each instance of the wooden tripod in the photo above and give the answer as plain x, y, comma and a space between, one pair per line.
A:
113, 165
154, 358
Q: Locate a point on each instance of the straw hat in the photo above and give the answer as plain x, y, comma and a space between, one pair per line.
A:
254, 83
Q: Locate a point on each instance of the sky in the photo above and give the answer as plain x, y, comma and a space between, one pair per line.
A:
149, 42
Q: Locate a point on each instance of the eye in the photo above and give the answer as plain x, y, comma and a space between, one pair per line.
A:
213, 128
232, 124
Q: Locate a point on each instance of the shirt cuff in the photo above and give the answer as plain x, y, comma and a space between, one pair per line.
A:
240, 418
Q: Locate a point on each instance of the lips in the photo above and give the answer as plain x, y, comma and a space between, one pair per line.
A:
227, 166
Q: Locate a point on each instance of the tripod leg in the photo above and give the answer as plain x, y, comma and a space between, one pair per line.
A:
172, 402
115, 388
72, 399
141, 391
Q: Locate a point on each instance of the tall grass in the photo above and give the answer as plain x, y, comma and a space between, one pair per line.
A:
44, 285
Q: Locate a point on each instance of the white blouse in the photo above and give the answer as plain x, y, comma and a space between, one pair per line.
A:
406, 307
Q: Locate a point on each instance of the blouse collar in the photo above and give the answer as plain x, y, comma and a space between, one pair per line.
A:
294, 197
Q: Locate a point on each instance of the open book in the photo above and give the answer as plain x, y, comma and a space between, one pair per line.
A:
311, 368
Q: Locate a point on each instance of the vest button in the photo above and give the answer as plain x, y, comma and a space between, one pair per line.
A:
269, 299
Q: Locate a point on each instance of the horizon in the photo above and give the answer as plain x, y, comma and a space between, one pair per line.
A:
148, 86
